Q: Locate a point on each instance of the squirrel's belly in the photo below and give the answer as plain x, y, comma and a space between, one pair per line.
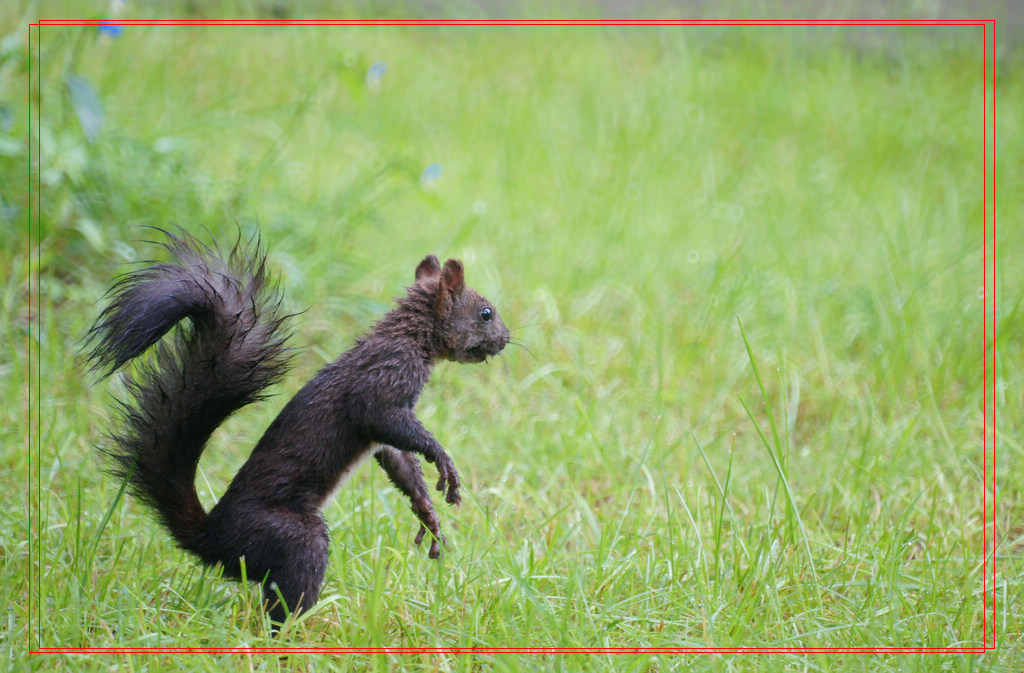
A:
350, 469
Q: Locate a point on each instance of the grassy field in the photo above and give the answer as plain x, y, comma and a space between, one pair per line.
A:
745, 265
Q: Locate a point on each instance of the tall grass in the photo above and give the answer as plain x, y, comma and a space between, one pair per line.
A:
744, 264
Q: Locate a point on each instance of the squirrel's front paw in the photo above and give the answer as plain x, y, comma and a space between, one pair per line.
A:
446, 468
424, 511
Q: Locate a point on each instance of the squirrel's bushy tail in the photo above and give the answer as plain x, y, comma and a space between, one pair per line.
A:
221, 359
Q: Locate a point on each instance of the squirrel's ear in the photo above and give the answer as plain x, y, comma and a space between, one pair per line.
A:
453, 278
428, 268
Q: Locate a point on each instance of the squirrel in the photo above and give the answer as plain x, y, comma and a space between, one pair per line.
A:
231, 348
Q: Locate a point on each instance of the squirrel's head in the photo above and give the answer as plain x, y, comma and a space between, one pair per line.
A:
469, 328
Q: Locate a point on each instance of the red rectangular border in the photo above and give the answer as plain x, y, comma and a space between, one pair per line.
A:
988, 269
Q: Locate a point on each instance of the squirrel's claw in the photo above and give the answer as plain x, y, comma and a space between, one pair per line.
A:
424, 511
435, 548
449, 477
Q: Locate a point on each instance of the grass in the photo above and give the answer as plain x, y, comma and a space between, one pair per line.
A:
745, 265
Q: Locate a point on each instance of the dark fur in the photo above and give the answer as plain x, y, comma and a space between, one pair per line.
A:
225, 355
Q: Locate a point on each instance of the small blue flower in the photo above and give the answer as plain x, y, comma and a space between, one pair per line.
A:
108, 28
430, 175
375, 74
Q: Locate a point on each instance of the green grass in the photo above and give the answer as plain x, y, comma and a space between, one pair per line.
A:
745, 266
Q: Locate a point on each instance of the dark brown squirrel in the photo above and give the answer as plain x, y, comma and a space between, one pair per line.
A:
231, 348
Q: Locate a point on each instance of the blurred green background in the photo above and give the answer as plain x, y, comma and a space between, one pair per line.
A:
641, 471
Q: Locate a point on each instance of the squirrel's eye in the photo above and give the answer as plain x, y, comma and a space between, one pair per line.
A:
485, 313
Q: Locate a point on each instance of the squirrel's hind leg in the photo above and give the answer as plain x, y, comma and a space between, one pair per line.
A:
297, 559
